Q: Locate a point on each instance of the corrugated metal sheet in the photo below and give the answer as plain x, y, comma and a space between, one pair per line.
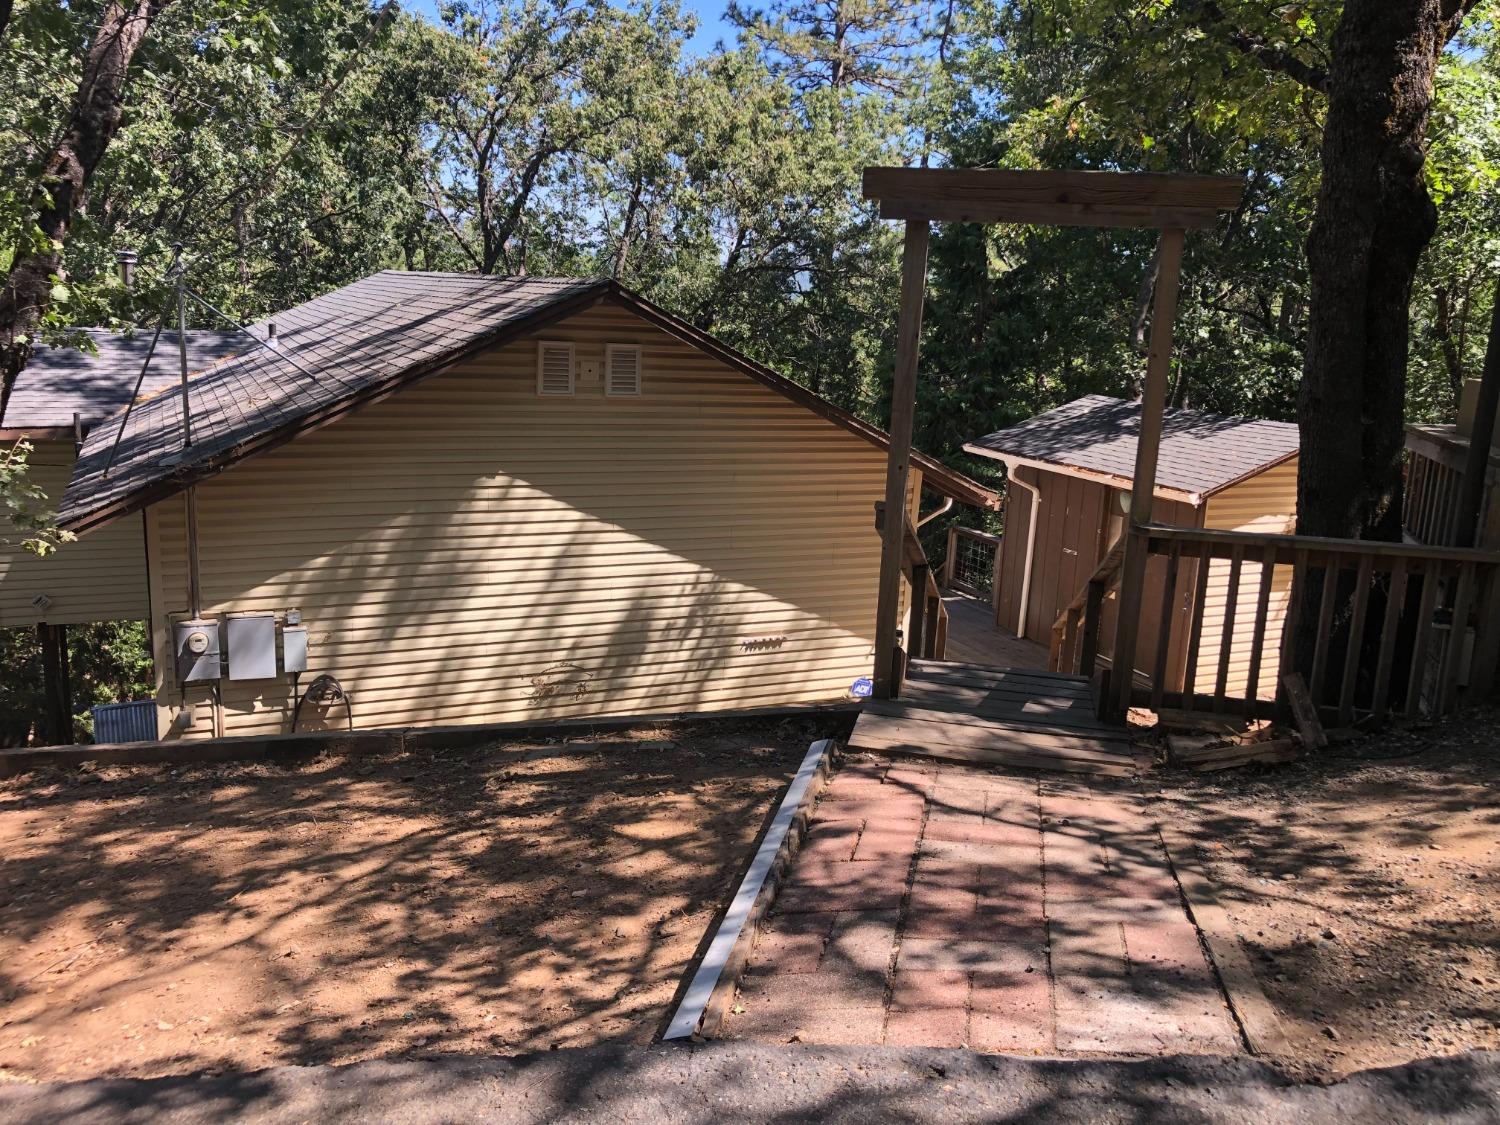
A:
100, 577
134, 721
469, 551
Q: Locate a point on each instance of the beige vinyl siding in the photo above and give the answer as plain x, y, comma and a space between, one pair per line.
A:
468, 551
1266, 503
99, 577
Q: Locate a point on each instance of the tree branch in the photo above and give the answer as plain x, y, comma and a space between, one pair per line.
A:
1212, 20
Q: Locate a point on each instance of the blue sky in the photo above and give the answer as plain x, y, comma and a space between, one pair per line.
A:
710, 13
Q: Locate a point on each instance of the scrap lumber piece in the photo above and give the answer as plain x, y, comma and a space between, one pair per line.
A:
1231, 755
1304, 712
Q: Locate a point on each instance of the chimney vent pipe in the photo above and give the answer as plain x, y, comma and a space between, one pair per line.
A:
126, 260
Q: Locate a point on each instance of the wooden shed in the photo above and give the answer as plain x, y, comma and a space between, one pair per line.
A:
481, 499
1069, 480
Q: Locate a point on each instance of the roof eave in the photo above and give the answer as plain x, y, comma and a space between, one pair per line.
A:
1255, 472
936, 476
1113, 480
91, 518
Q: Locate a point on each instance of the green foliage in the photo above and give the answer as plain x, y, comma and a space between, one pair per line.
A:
108, 662
293, 147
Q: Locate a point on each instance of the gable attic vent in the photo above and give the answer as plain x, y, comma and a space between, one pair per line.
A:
622, 369
554, 368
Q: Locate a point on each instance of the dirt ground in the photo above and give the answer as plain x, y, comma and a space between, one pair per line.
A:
159, 921
1366, 884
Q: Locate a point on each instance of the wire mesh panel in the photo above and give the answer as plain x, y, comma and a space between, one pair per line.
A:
972, 569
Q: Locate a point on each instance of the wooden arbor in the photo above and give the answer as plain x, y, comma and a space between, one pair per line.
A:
1169, 203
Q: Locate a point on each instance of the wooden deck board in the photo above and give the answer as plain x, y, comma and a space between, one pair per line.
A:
975, 638
1011, 717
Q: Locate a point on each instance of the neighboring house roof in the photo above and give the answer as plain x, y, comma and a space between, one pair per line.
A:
60, 382
1095, 437
358, 344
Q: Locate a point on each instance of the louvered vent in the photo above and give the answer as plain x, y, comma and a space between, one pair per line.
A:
554, 368
622, 369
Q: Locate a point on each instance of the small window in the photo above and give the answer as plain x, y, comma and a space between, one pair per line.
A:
554, 368
622, 369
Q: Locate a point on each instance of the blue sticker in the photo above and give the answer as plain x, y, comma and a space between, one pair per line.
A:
862, 688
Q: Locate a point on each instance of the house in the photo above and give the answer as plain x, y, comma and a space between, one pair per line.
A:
1069, 479
479, 499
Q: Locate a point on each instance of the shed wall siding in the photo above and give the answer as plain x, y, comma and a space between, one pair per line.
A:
468, 551
1265, 503
99, 577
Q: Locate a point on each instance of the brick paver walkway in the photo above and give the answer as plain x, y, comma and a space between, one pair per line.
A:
942, 906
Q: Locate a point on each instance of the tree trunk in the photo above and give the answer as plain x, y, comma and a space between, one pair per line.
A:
63, 188
1373, 219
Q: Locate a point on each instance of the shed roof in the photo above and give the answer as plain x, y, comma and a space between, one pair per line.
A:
1095, 436
353, 346
60, 382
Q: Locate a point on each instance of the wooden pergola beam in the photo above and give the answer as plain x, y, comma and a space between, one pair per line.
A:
1095, 199
1169, 202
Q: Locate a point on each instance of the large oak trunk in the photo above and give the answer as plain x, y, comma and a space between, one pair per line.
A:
1374, 217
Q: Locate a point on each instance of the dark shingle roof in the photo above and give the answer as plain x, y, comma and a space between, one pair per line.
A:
59, 382
335, 350
1200, 453
356, 344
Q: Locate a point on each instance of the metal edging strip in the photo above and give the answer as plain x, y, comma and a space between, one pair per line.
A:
695, 1000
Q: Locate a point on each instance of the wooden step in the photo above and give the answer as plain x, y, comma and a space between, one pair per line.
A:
900, 709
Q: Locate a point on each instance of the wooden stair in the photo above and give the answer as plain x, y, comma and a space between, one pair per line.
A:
997, 716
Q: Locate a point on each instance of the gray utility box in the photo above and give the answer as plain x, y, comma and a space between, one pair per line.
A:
252, 646
197, 645
294, 648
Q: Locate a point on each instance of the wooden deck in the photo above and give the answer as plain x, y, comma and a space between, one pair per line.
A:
1001, 716
974, 638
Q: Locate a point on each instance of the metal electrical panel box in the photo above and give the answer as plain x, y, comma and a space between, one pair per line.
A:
197, 645
252, 646
294, 648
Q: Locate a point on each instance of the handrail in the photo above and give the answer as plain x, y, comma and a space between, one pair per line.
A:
1085, 604
1290, 544
1374, 627
975, 533
1108, 568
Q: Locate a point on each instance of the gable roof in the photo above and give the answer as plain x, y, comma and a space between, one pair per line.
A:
60, 382
1095, 437
354, 346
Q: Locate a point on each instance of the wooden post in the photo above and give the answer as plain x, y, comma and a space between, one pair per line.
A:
1481, 437
916, 644
57, 693
1143, 485
898, 459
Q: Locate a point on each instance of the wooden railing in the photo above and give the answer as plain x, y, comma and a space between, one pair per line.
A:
1399, 628
972, 562
928, 633
1075, 633
1432, 488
